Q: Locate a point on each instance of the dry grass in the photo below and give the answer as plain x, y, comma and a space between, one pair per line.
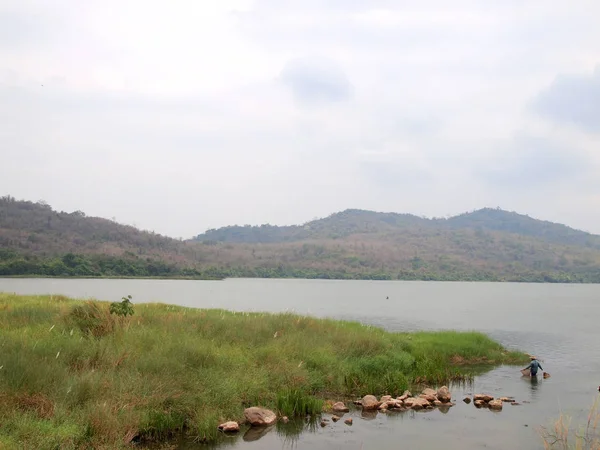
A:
563, 436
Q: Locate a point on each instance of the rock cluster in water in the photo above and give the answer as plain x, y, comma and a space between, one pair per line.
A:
427, 399
488, 401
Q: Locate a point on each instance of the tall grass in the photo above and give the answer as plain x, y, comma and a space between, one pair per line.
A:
562, 436
73, 376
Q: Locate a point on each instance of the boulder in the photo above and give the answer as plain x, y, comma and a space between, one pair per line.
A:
483, 397
229, 427
335, 418
348, 421
479, 403
467, 400
385, 398
383, 407
340, 407
256, 416
443, 395
370, 402
495, 404
437, 403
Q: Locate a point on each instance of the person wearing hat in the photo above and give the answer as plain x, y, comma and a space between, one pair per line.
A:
533, 366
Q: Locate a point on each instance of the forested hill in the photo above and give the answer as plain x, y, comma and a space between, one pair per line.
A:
355, 221
35, 239
488, 244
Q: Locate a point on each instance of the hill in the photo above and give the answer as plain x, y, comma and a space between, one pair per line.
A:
487, 244
35, 239
354, 221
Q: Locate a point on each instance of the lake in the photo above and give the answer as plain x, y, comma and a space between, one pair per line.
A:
558, 323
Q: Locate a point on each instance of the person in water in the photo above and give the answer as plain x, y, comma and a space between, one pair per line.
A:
533, 366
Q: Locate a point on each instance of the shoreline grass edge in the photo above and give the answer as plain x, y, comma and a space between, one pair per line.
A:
73, 375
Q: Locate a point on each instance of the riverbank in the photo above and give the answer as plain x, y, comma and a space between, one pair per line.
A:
73, 375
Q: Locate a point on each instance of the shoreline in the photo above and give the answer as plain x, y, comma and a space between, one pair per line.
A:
171, 370
191, 278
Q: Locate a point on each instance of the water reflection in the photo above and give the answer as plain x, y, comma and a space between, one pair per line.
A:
255, 433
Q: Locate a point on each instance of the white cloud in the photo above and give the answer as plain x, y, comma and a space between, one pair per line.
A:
188, 115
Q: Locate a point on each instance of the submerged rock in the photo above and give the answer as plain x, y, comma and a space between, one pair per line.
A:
348, 421
483, 397
335, 418
506, 399
256, 416
229, 427
495, 404
340, 407
467, 400
370, 402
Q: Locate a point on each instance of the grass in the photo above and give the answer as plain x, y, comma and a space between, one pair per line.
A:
562, 436
74, 376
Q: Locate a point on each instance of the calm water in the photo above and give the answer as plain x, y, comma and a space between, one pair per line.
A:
559, 323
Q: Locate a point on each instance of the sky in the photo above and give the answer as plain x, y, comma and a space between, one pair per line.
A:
181, 116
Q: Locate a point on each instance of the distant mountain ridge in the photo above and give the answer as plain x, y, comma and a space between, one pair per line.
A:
355, 221
483, 245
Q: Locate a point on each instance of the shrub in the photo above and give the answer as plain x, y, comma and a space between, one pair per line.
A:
123, 308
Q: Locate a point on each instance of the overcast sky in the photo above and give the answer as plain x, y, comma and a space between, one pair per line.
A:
186, 115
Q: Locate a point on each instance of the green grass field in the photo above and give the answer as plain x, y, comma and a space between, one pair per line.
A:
74, 376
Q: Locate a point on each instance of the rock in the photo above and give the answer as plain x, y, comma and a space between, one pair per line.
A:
515, 404
429, 394
383, 407
437, 403
385, 398
229, 427
467, 400
357, 402
323, 423
479, 403
394, 404
405, 395
370, 402
340, 407
335, 418
443, 394
348, 421
484, 397
495, 404
417, 403
259, 416
285, 419
506, 399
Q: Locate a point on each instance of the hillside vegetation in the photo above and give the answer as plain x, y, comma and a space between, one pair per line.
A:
488, 244
75, 376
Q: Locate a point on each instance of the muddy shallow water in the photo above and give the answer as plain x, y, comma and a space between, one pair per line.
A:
558, 323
